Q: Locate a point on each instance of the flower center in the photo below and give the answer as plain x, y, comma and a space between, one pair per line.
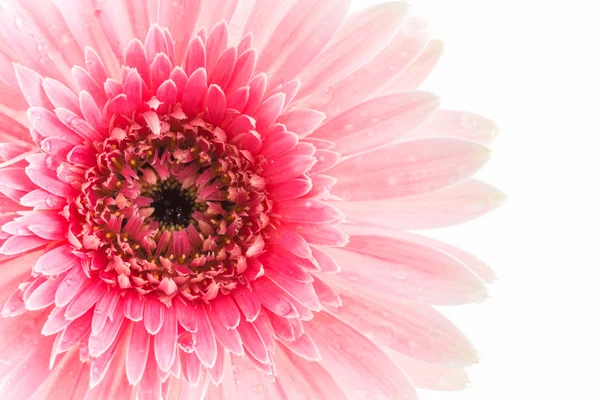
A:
175, 209
173, 205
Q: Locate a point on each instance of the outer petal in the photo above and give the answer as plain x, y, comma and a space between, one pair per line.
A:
451, 206
355, 363
404, 268
407, 169
300, 36
360, 38
458, 124
378, 122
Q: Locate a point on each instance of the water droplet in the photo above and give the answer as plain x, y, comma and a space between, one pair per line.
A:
238, 382
98, 13
19, 23
187, 342
258, 388
467, 121
385, 335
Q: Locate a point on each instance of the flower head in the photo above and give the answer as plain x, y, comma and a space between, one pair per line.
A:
211, 198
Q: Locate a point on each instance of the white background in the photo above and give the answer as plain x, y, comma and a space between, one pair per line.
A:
533, 67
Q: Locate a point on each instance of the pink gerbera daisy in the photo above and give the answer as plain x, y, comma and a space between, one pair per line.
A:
212, 198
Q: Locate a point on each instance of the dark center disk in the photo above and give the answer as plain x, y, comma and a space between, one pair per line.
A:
172, 207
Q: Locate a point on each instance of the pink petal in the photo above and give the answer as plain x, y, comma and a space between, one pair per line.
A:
216, 44
56, 322
285, 266
418, 71
137, 353
278, 143
215, 104
407, 168
229, 338
103, 310
180, 19
359, 39
85, 299
269, 110
473, 263
30, 83
195, 57
213, 14
367, 80
407, 269
247, 302
300, 37
355, 363
327, 295
100, 343
378, 122
322, 235
21, 244
58, 260
458, 124
153, 315
193, 95
291, 241
243, 71
70, 286
165, 341
412, 329
302, 122
160, 70
45, 178
253, 342
299, 291
431, 376
186, 316
61, 96
263, 19
206, 346
135, 57
305, 379
156, 42
48, 125
226, 310
192, 368
224, 68
78, 125
287, 167
325, 262
101, 364
289, 190
91, 112
43, 295
16, 179
307, 212
282, 327
274, 299
304, 347
454, 205
133, 307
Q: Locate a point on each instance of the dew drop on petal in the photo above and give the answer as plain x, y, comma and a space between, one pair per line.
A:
258, 388
19, 23
187, 342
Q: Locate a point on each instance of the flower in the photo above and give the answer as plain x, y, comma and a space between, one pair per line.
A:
214, 198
